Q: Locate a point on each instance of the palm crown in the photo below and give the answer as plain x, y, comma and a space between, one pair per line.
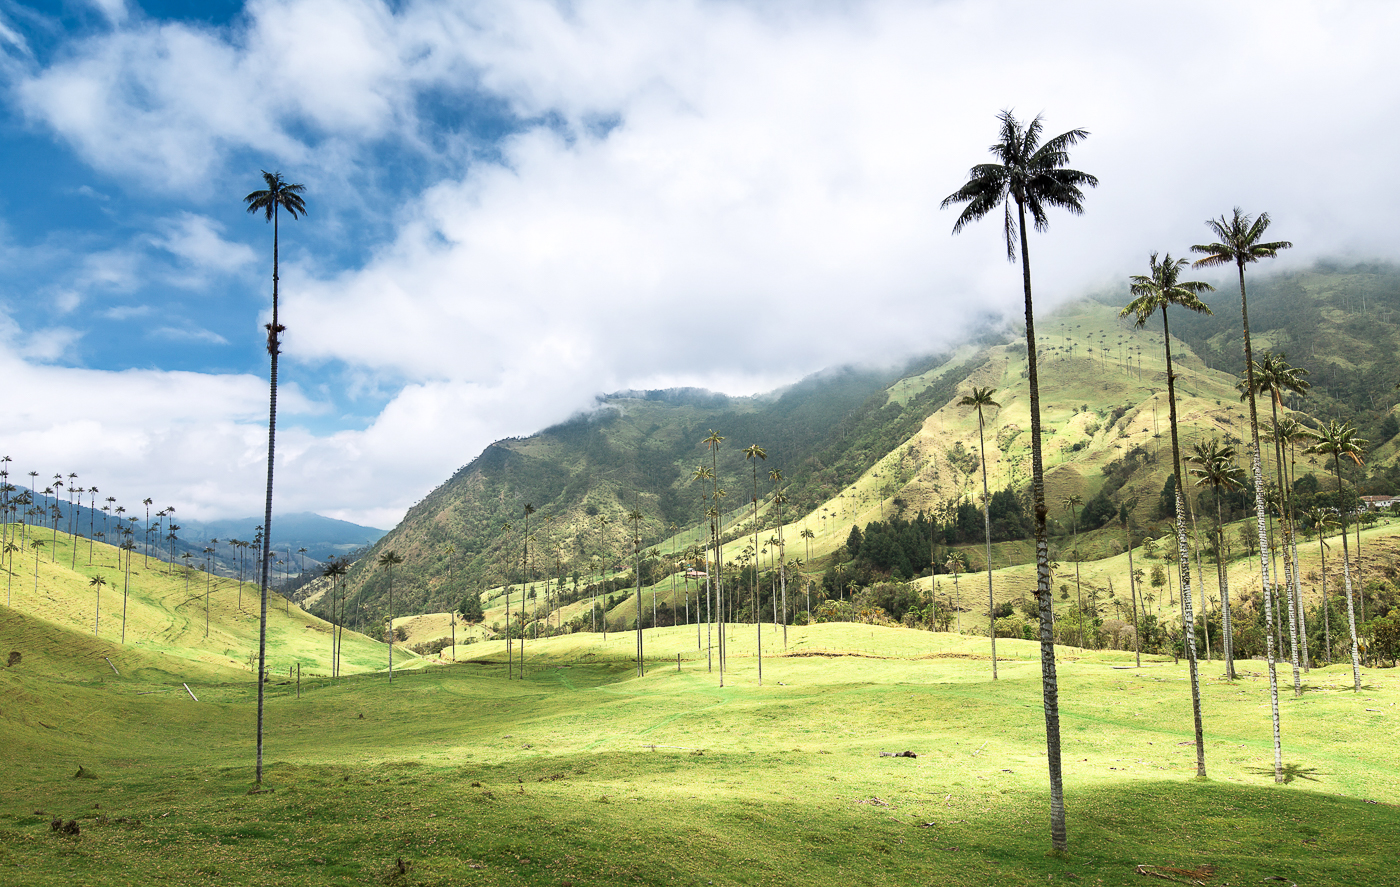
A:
1239, 241
1032, 174
277, 194
1162, 287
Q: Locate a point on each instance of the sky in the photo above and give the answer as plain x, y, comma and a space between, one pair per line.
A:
514, 207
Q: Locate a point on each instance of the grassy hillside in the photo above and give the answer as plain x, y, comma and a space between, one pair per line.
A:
583, 774
165, 615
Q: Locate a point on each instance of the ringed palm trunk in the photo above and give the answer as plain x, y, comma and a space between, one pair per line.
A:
1050, 692
1132, 592
1222, 577
1286, 527
987, 527
1188, 620
1346, 574
1261, 519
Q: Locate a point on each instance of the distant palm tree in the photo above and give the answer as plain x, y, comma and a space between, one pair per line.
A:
1340, 440
752, 452
1240, 242
1072, 503
525, 577
1321, 519
1153, 292
779, 500
279, 195
979, 399
716, 529
635, 516
1274, 376
1215, 467
128, 546
1035, 176
97, 582
10, 549
335, 570
390, 559
1125, 515
702, 474
146, 547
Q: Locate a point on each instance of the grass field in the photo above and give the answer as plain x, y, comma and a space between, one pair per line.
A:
582, 773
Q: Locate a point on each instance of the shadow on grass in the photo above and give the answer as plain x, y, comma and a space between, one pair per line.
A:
1290, 772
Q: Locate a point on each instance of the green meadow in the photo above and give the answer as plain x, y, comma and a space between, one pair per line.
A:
582, 773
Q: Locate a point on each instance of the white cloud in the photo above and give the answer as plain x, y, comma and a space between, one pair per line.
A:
187, 334
765, 205
198, 240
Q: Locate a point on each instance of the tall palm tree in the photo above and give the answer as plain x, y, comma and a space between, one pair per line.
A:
334, 570
635, 516
128, 546
1340, 440
1125, 515
1153, 292
702, 474
391, 559
752, 452
1035, 176
524, 578
1274, 376
716, 528
279, 195
979, 399
779, 500
97, 582
1215, 466
1072, 503
1241, 242
1321, 519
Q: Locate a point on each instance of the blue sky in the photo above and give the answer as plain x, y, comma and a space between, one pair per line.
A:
516, 206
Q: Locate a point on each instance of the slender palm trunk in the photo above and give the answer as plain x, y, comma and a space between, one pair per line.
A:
1188, 620
1132, 592
1286, 528
1261, 519
1050, 692
987, 530
1326, 603
1222, 577
1346, 574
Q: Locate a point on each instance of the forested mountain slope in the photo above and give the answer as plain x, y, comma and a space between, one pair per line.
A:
861, 445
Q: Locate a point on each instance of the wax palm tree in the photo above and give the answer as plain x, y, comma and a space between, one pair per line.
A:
525, 577
335, 570
146, 546
1241, 242
279, 195
1035, 176
10, 549
1274, 376
1125, 515
979, 399
1214, 466
716, 528
751, 453
635, 516
390, 559
1072, 503
1321, 519
1153, 292
96, 582
779, 500
702, 474
1340, 441
128, 546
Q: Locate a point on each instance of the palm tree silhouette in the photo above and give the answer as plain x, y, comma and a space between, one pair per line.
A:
752, 452
1215, 467
279, 195
1153, 292
979, 399
97, 582
1321, 518
390, 559
635, 516
1340, 440
1034, 175
1240, 242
